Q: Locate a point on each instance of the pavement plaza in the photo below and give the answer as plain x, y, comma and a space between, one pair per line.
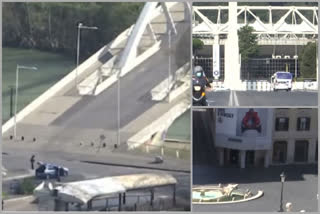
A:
300, 187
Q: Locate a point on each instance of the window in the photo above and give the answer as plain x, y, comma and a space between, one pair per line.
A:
282, 124
303, 124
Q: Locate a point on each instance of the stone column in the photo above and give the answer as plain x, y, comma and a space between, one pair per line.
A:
267, 158
231, 56
312, 150
242, 159
290, 150
221, 156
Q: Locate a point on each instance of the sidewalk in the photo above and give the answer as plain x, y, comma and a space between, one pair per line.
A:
14, 176
20, 204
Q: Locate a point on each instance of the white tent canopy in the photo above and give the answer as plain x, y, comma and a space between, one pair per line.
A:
84, 191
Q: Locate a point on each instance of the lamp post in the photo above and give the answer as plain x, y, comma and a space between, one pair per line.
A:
118, 106
169, 64
283, 178
11, 101
81, 26
16, 97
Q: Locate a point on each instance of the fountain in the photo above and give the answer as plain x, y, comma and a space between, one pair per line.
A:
222, 194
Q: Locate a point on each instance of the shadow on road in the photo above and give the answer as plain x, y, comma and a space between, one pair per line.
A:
203, 174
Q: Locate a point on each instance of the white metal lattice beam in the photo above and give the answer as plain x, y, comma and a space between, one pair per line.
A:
272, 27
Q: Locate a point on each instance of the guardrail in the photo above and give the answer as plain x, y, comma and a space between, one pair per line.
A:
264, 85
164, 151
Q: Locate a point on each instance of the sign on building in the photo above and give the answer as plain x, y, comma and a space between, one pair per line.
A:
216, 60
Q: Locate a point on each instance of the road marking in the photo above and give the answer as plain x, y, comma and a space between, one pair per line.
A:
236, 99
18, 177
19, 198
210, 101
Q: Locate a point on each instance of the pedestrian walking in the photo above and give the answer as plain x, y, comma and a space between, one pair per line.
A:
58, 174
32, 161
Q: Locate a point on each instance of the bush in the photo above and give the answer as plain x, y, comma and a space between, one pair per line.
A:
27, 186
4, 195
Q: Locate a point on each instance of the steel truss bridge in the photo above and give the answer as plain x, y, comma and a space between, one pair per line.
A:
274, 25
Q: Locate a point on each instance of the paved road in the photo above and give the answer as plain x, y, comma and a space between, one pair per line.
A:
301, 187
135, 97
256, 98
17, 161
101, 111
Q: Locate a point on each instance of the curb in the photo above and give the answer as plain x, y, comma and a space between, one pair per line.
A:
18, 198
135, 166
18, 177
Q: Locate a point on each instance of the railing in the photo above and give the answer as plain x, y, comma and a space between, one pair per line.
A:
178, 152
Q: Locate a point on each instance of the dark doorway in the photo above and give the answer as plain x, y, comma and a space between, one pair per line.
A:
234, 157
301, 151
226, 156
279, 152
249, 158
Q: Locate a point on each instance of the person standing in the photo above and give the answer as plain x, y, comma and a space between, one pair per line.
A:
32, 160
58, 174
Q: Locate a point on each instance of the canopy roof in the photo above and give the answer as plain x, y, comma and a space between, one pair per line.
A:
84, 191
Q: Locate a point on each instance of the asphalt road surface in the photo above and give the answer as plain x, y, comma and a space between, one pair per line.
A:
135, 98
300, 187
16, 161
259, 98
135, 87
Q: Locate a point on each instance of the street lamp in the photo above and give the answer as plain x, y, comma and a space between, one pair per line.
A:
283, 178
169, 64
81, 26
11, 100
16, 97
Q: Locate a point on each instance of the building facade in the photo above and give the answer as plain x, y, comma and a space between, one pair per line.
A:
295, 136
260, 137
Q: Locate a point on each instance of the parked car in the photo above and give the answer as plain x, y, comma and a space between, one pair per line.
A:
47, 171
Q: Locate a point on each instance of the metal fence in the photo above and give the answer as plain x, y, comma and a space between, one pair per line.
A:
206, 64
254, 68
263, 69
164, 151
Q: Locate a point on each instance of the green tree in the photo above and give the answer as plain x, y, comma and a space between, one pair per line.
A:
307, 60
248, 45
197, 44
52, 26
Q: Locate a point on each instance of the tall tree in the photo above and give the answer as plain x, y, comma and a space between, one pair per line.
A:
307, 61
52, 26
248, 45
197, 45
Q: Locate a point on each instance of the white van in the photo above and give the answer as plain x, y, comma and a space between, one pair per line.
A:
281, 80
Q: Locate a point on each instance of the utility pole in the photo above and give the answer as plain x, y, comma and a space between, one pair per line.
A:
11, 101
